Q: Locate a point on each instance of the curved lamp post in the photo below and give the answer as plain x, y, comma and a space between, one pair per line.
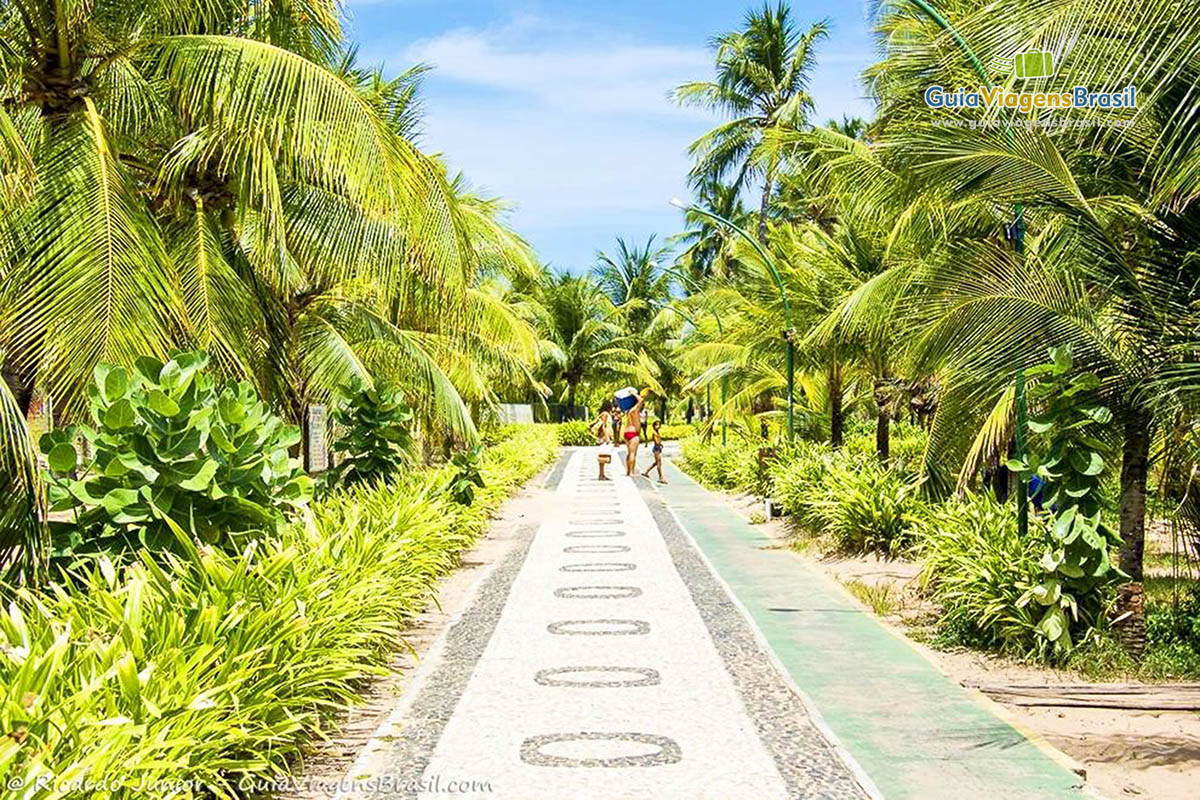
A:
1019, 241
789, 334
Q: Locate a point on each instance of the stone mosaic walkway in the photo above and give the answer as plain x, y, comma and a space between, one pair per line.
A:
603, 659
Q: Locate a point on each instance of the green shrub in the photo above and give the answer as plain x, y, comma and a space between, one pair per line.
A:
1167, 625
493, 433
727, 467
674, 432
862, 506
374, 439
793, 475
173, 456
575, 433
214, 667
465, 476
977, 569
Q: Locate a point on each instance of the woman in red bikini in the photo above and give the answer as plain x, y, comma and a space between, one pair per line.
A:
631, 431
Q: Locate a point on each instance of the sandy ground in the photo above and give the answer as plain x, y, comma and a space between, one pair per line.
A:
329, 762
1126, 753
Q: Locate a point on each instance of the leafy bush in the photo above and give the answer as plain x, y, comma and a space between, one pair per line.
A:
214, 667
465, 476
1067, 458
977, 569
173, 456
726, 467
674, 432
575, 433
863, 506
803, 465
493, 433
374, 439
1170, 626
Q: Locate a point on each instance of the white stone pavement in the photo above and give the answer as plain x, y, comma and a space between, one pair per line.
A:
601, 678
679, 730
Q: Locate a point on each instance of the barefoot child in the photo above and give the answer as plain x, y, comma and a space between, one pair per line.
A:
602, 428
657, 450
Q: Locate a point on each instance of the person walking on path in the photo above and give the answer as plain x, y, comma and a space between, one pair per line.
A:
602, 428
657, 450
631, 431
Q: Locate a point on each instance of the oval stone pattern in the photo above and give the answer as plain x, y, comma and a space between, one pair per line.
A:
598, 677
597, 592
663, 750
599, 627
600, 566
597, 548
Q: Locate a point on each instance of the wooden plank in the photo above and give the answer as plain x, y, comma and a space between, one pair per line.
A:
1134, 696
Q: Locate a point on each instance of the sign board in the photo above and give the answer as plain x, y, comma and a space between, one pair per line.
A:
316, 450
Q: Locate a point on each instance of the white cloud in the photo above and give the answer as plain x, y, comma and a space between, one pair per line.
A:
573, 125
534, 59
575, 130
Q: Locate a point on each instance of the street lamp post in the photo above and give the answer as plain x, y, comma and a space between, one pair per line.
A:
1019, 242
790, 331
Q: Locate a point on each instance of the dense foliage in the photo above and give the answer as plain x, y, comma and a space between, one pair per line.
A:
216, 666
174, 459
575, 433
1067, 460
374, 438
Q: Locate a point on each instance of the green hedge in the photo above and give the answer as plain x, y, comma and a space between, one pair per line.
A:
217, 668
574, 433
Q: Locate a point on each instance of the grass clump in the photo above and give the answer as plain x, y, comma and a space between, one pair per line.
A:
574, 433
881, 598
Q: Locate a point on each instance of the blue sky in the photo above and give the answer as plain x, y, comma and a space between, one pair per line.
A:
561, 106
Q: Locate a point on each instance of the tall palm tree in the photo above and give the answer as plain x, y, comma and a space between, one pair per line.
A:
171, 176
211, 174
635, 280
587, 336
763, 73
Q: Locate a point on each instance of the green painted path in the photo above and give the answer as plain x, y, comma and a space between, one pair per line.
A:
914, 731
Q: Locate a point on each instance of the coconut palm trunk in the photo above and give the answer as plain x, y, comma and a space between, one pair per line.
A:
836, 418
1135, 456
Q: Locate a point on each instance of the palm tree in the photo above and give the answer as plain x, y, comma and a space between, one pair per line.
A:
763, 73
208, 174
585, 332
635, 280
706, 242
1109, 223
748, 349
177, 176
